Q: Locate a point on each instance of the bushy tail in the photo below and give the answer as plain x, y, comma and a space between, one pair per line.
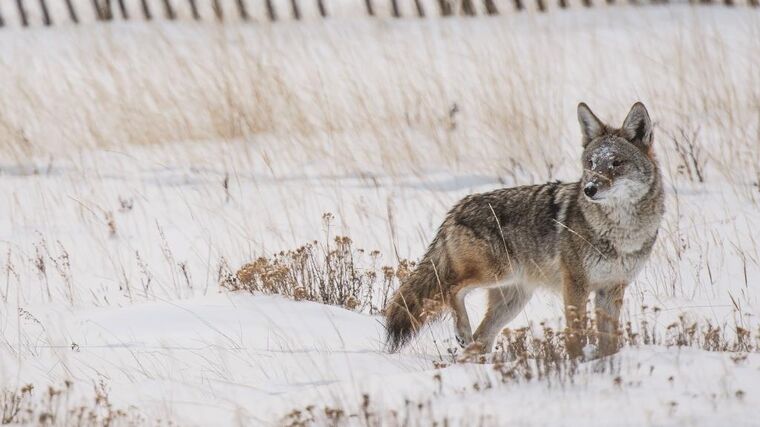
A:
420, 298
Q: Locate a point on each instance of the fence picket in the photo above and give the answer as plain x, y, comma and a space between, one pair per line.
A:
22, 13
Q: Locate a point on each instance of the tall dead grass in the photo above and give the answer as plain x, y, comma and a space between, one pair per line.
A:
338, 88
334, 272
60, 406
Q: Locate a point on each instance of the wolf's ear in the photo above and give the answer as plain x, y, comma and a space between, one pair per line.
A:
637, 127
591, 126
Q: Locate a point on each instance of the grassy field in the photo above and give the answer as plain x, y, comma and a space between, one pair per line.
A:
143, 163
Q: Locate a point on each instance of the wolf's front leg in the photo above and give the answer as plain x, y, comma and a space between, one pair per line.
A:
575, 292
608, 302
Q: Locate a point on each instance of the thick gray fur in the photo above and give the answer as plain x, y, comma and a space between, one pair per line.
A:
593, 235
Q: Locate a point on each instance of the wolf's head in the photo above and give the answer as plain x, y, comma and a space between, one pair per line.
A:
618, 164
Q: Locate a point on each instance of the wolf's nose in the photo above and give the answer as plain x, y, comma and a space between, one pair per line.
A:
590, 190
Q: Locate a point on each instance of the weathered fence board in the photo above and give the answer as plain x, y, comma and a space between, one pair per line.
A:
256, 10
36, 13
430, 7
133, 9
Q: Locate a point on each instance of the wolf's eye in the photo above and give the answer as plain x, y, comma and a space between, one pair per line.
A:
616, 163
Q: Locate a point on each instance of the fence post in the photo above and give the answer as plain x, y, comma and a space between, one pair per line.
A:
468, 8
168, 11
445, 7
491, 8
420, 9
45, 14
242, 10
72, 12
394, 9
146, 10
123, 9
103, 10
217, 10
270, 10
194, 10
296, 11
22, 12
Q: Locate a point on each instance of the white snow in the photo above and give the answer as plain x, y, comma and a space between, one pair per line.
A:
117, 142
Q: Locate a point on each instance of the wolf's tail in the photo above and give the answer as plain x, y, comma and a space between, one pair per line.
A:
420, 298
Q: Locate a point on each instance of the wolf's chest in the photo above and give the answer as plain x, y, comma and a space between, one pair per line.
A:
623, 251
606, 271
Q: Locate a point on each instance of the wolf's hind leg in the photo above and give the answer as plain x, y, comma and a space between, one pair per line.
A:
461, 320
504, 304
472, 263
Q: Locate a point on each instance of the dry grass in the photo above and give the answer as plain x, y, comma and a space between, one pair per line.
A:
541, 352
60, 407
360, 118
524, 356
332, 273
411, 414
179, 82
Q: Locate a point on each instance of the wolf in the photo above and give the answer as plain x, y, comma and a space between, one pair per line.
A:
593, 235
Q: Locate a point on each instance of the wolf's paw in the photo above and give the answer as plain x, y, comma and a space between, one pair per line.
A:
475, 352
475, 347
461, 342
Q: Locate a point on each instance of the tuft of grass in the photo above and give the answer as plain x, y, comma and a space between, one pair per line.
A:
336, 273
56, 406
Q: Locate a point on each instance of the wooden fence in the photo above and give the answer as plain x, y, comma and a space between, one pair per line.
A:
25, 13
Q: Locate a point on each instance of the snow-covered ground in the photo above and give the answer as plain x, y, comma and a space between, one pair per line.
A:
139, 158
226, 359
